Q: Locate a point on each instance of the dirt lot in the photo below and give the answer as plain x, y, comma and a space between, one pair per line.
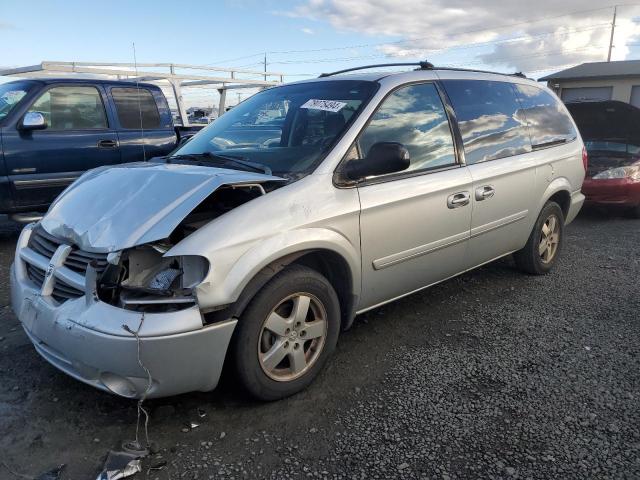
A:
493, 374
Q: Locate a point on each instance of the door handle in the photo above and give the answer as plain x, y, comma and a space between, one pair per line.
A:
485, 192
107, 144
459, 199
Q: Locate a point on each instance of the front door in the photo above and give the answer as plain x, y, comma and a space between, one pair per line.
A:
414, 224
41, 163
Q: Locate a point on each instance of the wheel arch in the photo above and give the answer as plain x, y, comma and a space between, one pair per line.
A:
339, 264
558, 191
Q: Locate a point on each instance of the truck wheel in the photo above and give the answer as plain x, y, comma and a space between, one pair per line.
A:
542, 250
286, 334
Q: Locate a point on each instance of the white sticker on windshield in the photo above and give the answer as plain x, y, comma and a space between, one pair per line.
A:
326, 105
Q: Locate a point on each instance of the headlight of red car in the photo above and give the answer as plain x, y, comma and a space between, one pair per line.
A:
632, 172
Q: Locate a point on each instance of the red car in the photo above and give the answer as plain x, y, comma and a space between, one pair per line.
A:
611, 134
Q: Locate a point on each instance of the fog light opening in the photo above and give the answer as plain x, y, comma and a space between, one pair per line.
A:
119, 385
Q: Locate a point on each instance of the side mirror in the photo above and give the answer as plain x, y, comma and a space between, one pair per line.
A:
33, 121
383, 158
184, 140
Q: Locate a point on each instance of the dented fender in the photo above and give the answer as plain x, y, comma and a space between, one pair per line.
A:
225, 282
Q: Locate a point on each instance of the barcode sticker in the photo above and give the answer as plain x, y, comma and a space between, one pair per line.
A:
326, 105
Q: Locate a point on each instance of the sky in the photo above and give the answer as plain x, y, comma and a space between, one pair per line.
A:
303, 38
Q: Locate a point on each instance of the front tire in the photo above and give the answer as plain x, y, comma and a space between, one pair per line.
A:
286, 334
540, 254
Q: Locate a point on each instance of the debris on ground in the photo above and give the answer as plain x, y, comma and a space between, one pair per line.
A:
54, 474
120, 464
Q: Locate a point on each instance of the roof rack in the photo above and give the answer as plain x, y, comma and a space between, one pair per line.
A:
422, 66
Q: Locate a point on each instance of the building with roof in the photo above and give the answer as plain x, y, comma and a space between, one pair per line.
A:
598, 81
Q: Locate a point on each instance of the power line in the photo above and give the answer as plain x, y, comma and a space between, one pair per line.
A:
448, 49
498, 27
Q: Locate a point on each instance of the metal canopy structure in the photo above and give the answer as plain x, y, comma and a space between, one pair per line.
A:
175, 75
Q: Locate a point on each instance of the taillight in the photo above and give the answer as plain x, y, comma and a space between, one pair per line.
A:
585, 158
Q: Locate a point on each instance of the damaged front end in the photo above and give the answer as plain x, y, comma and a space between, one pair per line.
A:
146, 278
88, 275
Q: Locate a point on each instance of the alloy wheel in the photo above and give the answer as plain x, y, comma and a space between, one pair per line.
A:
549, 239
292, 337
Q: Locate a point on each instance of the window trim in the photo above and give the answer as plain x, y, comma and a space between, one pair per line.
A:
117, 113
340, 182
58, 130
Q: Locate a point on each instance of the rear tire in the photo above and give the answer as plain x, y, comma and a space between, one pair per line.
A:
286, 334
540, 254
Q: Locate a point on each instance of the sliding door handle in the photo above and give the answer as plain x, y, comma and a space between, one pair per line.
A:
484, 192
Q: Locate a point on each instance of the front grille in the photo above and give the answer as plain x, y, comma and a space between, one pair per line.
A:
35, 274
77, 261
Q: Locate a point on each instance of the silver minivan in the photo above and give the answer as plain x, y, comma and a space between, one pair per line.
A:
254, 244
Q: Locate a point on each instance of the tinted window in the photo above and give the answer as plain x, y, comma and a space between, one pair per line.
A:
71, 108
415, 117
491, 121
135, 107
548, 122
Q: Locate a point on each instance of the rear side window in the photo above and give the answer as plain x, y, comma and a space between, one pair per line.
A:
547, 119
136, 107
71, 108
491, 121
415, 117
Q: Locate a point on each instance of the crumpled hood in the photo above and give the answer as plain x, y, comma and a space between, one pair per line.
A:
112, 208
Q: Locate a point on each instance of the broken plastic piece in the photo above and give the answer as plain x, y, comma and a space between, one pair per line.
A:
201, 413
120, 465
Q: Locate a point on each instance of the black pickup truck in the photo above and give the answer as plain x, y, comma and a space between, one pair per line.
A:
52, 130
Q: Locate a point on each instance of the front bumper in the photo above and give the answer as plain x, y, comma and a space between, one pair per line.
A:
86, 340
613, 191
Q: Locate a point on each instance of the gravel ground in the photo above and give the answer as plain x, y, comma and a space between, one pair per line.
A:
490, 375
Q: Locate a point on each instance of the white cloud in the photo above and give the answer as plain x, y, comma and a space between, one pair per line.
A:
308, 31
428, 27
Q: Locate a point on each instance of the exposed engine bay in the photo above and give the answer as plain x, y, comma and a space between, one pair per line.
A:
141, 278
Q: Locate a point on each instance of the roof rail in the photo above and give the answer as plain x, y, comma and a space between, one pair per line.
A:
422, 66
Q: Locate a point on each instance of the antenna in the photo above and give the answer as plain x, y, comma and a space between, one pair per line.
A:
135, 64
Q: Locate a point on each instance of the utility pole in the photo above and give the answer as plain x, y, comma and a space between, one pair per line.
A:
265, 66
613, 29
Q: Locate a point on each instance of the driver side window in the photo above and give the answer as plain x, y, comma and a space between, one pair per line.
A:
415, 117
71, 108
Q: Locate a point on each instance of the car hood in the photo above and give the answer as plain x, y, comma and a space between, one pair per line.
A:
608, 119
112, 208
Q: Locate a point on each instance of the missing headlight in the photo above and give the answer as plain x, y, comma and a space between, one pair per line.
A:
145, 280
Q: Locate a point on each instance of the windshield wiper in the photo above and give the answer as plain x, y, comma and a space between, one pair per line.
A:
210, 157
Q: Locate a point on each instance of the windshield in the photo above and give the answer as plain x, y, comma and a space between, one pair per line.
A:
286, 129
10, 95
612, 146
